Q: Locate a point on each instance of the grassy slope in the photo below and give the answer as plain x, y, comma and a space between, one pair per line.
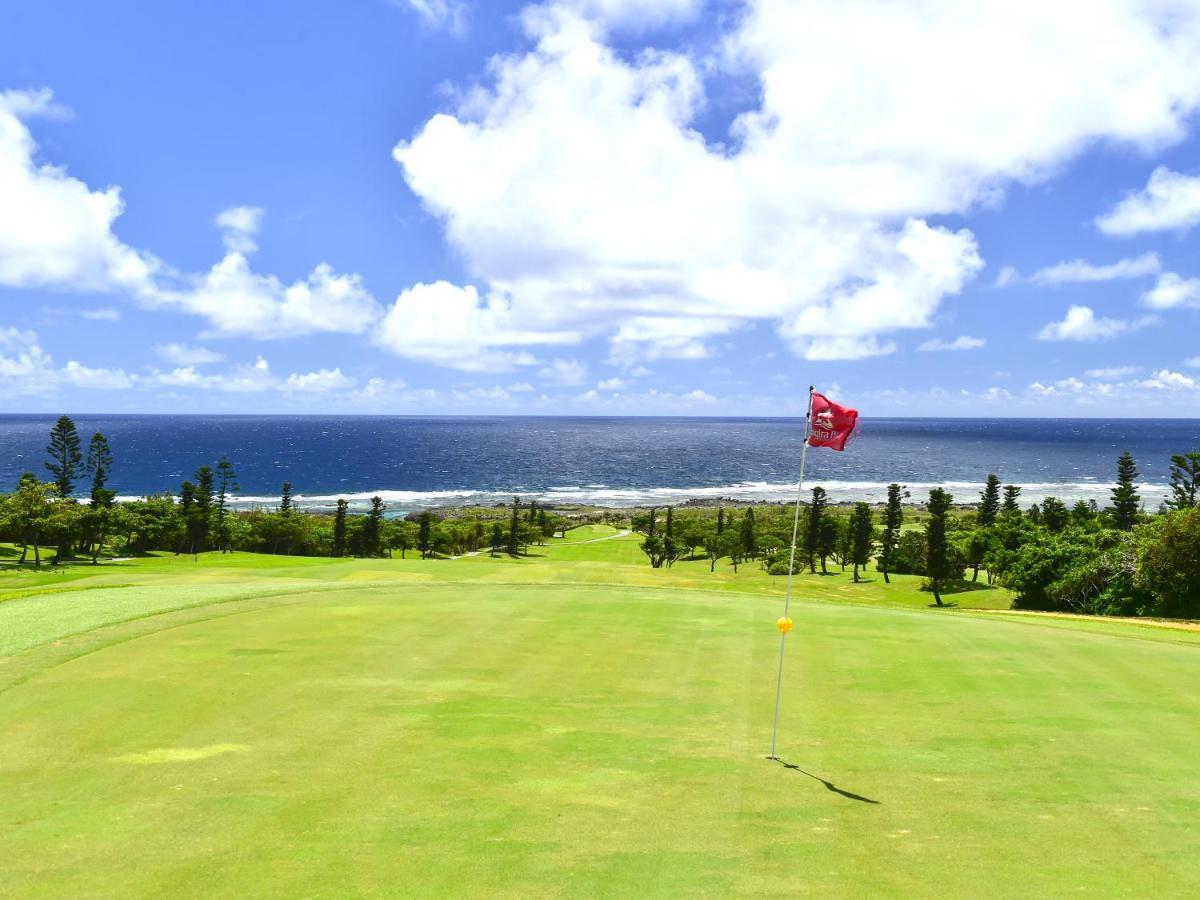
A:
578, 723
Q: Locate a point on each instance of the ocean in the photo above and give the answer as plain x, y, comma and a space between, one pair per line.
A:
416, 462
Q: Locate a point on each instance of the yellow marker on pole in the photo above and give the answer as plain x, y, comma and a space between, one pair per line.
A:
784, 624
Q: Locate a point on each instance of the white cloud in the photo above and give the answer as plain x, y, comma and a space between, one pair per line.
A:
1170, 201
1112, 373
1082, 324
441, 15
238, 301
103, 314
453, 326
700, 396
1166, 380
185, 355
564, 371
240, 379
1171, 291
78, 375
521, 387
239, 226
1006, 276
1080, 271
574, 184
321, 381
964, 342
55, 232
610, 384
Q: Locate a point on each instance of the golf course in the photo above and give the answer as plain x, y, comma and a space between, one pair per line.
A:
576, 723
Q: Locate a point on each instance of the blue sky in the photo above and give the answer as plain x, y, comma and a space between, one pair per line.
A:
600, 207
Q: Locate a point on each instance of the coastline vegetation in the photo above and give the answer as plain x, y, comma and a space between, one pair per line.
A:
1120, 560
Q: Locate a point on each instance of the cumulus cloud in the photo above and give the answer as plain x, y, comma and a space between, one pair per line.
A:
239, 227
964, 342
25, 368
564, 371
630, 14
1078, 271
1169, 201
574, 181
453, 326
1166, 380
55, 231
1172, 291
1082, 324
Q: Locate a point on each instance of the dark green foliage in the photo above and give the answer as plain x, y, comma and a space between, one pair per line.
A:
1125, 498
1185, 480
989, 502
749, 540
1168, 564
285, 499
828, 534
339, 529
1054, 514
99, 465
65, 455
425, 533
1012, 499
371, 535
816, 514
226, 485
891, 531
862, 531
937, 551
514, 528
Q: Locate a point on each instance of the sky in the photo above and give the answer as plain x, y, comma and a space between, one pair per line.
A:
601, 207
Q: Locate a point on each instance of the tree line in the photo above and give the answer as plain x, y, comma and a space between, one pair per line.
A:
1114, 561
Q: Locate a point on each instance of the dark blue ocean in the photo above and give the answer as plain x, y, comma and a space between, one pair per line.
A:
419, 461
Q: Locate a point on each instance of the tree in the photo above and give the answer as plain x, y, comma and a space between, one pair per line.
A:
989, 504
372, 532
654, 546
1168, 561
827, 539
937, 552
862, 529
514, 528
720, 519
894, 518
1185, 480
98, 465
285, 499
1125, 498
1054, 514
202, 514
65, 455
28, 512
226, 484
425, 534
748, 539
339, 529
497, 538
816, 511
1012, 499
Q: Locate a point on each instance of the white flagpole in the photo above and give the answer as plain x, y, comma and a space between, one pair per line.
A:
787, 596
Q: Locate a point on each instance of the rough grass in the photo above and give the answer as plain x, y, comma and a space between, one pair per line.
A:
576, 724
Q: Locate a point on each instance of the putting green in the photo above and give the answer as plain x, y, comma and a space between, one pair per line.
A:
377, 727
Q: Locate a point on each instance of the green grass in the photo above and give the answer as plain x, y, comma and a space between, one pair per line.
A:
576, 724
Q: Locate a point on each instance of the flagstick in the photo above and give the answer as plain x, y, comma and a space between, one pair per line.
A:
787, 596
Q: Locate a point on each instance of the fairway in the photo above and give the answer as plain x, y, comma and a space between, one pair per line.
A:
579, 724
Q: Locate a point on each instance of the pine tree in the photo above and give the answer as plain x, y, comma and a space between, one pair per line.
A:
226, 484
202, 515
285, 499
65, 455
749, 541
891, 530
533, 508
187, 511
669, 548
1185, 480
1012, 499
816, 512
1125, 498
827, 539
937, 551
862, 528
339, 529
372, 533
514, 528
497, 538
98, 465
989, 502
720, 519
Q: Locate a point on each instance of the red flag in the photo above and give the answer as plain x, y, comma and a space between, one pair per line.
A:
832, 424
